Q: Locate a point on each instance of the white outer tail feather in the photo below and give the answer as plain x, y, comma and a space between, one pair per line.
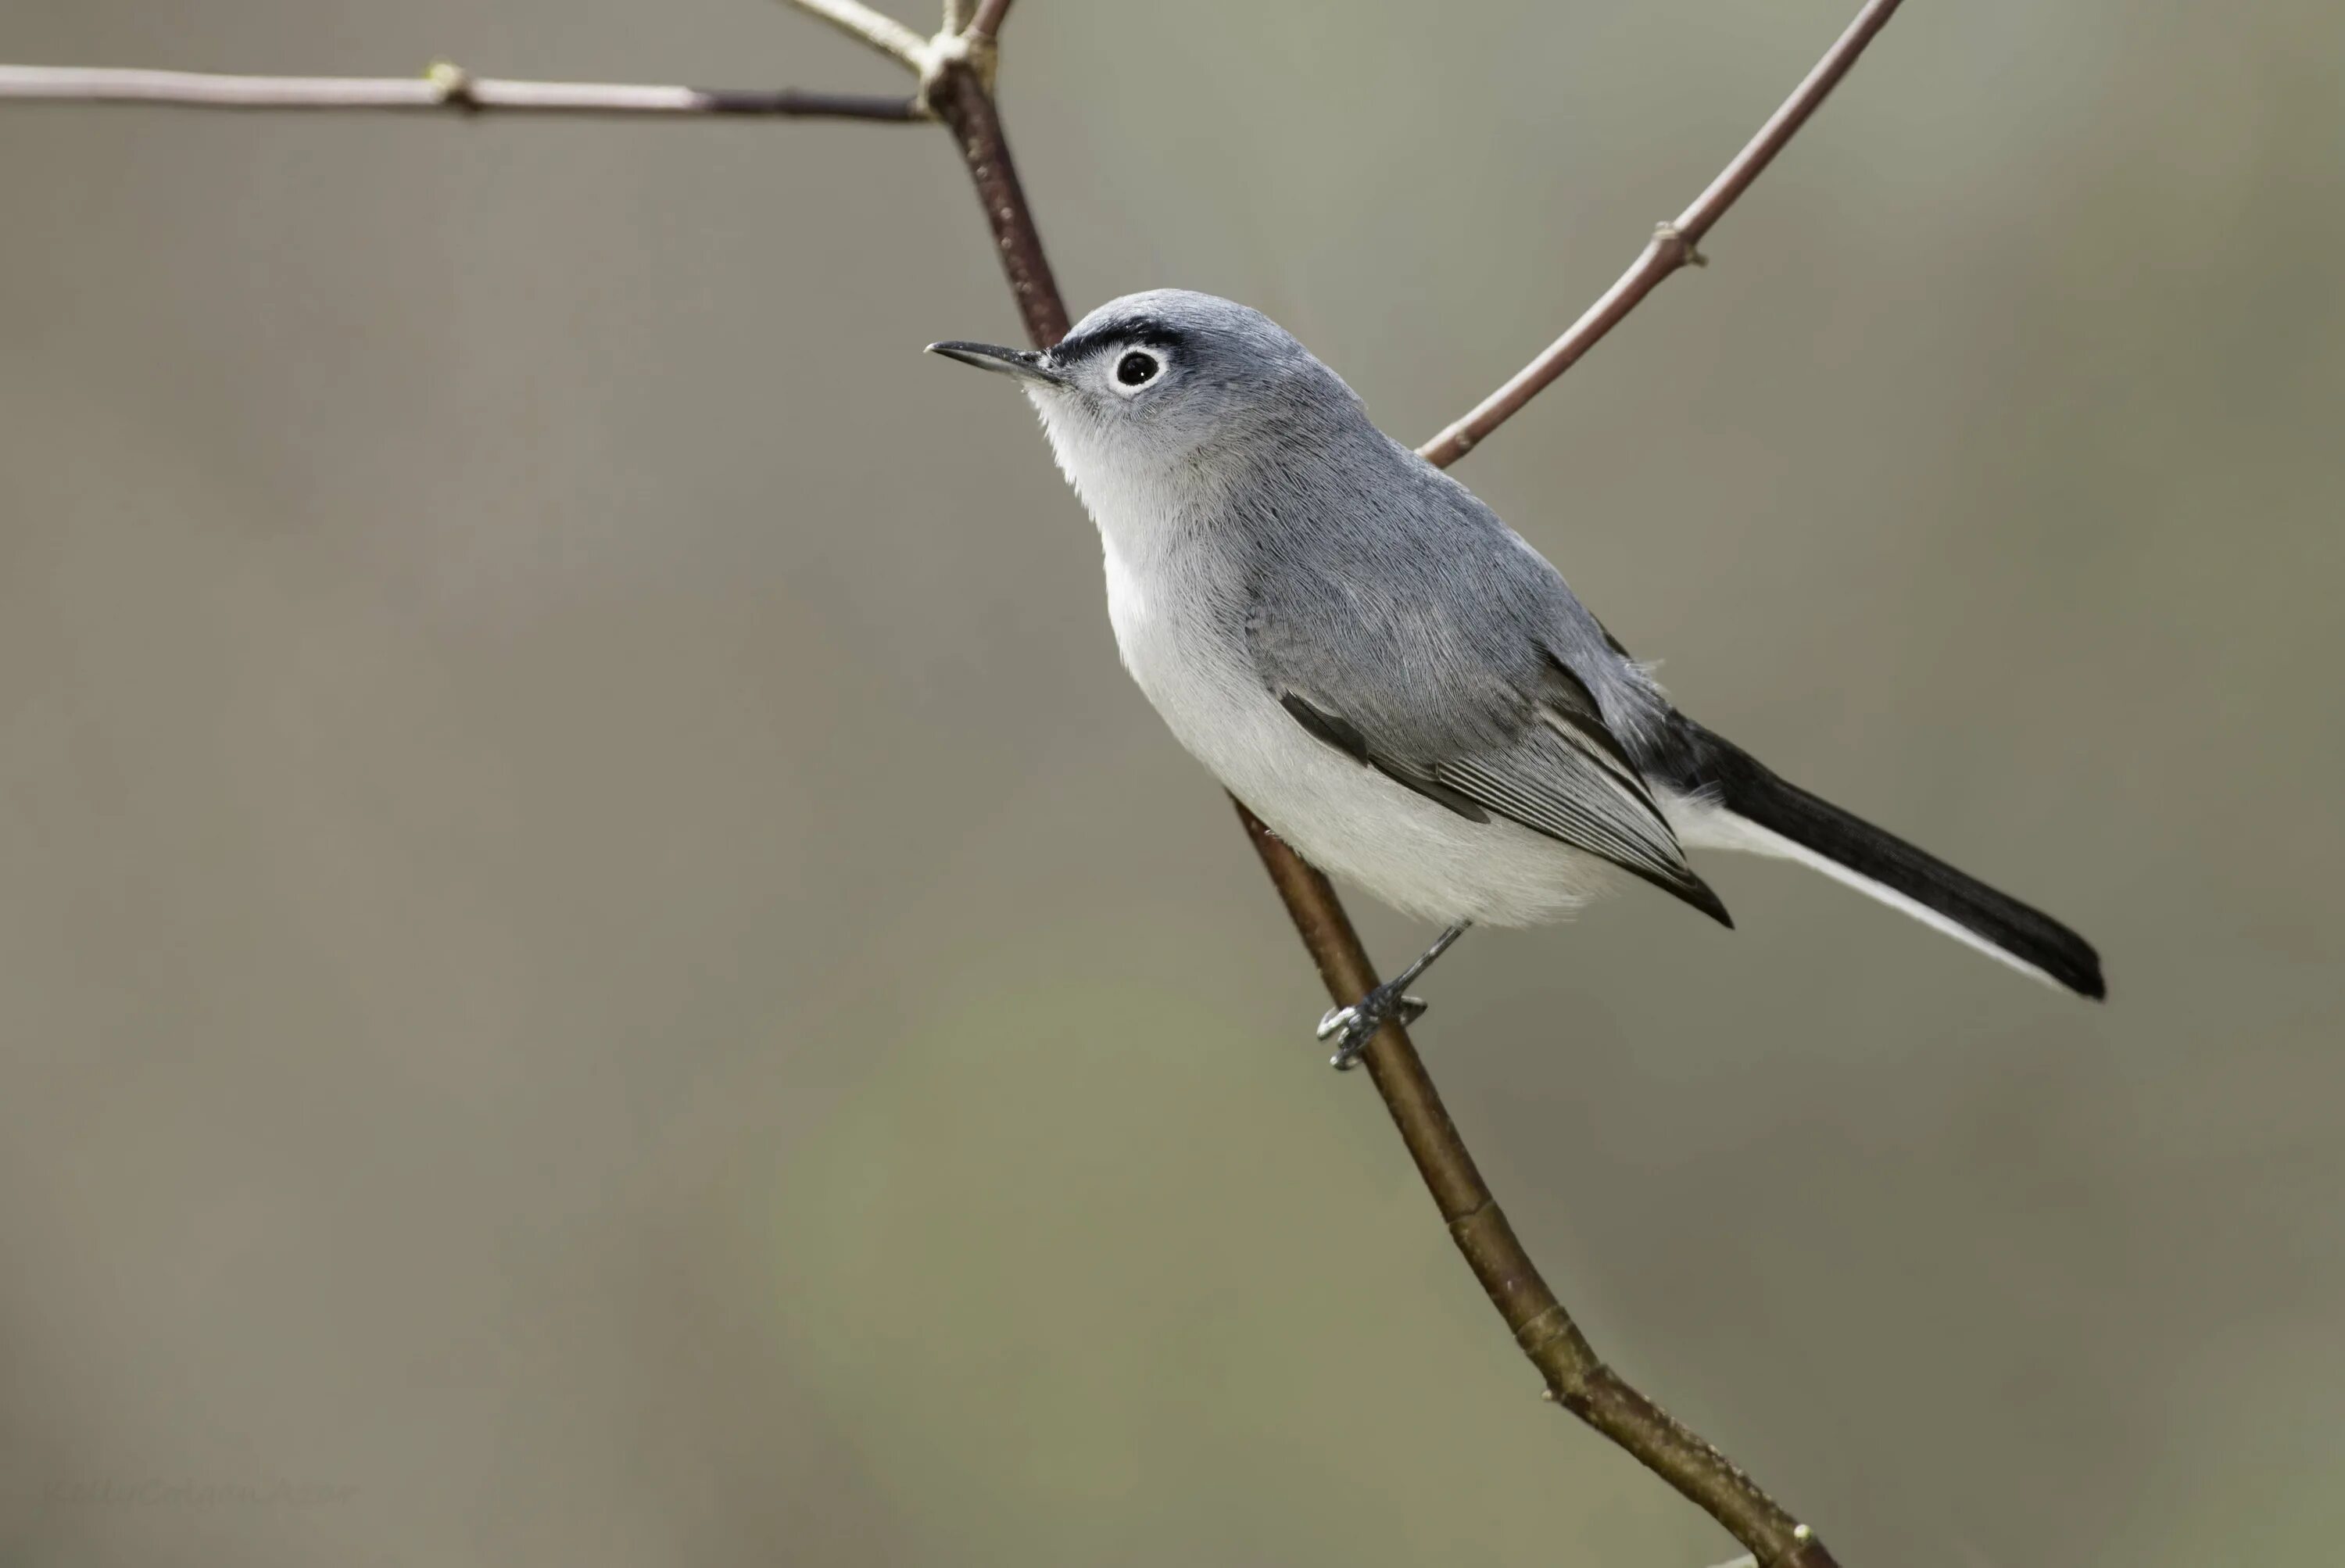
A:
1703, 824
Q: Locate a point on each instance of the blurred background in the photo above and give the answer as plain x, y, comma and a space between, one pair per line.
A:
603, 967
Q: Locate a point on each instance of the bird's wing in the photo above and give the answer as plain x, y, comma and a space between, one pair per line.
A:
1480, 731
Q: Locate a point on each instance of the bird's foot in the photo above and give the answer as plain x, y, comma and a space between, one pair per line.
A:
1352, 1027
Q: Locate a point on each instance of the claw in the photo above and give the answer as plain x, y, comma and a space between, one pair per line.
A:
1357, 1025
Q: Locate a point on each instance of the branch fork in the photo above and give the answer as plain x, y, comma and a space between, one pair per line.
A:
965, 42
974, 52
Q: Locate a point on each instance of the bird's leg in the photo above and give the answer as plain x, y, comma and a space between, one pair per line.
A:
1357, 1025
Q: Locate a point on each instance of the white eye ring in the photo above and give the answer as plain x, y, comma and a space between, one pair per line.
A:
1135, 368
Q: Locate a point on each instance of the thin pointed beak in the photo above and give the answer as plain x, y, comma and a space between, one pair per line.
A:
1023, 363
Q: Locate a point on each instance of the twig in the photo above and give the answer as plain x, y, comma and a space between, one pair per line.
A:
444, 87
883, 33
988, 21
1674, 245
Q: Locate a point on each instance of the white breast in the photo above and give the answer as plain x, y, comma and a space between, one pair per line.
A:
1347, 819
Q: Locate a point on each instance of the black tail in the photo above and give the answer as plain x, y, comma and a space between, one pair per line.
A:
1884, 864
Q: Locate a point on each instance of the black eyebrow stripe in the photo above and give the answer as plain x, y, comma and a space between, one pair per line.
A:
1145, 329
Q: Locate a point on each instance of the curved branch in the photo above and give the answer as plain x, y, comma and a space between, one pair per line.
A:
1674, 245
444, 87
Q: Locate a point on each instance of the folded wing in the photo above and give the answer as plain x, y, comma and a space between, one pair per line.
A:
1552, 766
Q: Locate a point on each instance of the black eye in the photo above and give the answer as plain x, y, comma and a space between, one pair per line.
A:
1135, 368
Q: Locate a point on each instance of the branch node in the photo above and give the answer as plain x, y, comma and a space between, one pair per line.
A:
950, 51
1806, 1549
1669, 237
455, 84
1550, 1324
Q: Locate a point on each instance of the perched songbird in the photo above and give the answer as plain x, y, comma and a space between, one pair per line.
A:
1391, 678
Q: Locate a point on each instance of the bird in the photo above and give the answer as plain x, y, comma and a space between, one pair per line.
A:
1394, 681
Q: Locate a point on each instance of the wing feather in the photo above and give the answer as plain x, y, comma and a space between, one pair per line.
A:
1553, 778
1464, 674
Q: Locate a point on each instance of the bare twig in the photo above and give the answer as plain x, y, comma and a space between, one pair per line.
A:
443, 87
1674, 245
882, 32
988, 21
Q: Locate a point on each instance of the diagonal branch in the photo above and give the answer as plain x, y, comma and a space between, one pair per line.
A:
881, 31
1575, 1377
444, 87
1674, 245
960, 100
987, 24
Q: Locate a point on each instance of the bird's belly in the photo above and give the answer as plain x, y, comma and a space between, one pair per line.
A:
1347, 819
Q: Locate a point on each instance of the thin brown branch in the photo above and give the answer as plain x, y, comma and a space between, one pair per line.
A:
881, 31
960, 100
987, 24
1674, 244
1543, 1327
444, 87
1545, 1331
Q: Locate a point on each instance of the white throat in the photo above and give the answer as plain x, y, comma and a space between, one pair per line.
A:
1141, 507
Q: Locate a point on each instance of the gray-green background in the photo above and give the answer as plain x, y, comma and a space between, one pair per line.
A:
601, 963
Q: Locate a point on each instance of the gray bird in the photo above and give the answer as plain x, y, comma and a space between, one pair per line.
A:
1391, 678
